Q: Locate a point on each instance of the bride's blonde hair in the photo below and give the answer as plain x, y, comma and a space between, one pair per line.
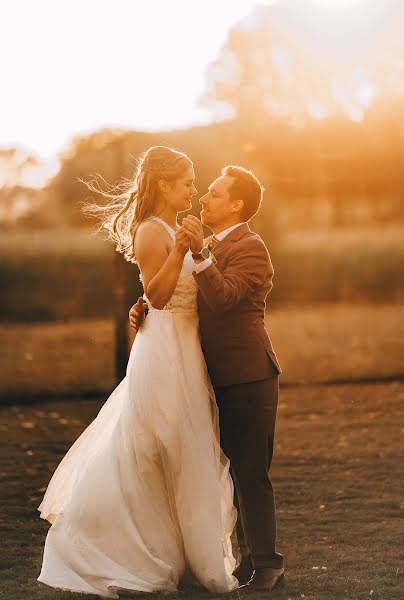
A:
133, 201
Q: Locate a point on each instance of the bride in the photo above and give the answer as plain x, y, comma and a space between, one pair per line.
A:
143, 499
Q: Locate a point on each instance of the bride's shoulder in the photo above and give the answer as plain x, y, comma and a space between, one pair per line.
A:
150, 230
149, 225
150, 236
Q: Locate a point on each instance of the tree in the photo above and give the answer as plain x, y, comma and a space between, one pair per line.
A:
295, 62
14, 164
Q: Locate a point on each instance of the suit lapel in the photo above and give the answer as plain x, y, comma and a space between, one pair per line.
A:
231, 237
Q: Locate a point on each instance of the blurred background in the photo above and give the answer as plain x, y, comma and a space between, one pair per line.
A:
309, 94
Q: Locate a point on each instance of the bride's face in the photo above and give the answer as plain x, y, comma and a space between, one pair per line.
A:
178, 194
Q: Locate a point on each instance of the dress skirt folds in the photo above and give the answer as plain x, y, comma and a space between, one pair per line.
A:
144, 499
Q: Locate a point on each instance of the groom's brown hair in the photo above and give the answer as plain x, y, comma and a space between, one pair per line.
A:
246, 187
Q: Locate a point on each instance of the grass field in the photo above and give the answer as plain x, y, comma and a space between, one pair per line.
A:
339, 449
68, 274
338, 460
315, 344
337, 474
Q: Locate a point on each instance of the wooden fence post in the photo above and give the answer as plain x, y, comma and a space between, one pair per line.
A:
127, 289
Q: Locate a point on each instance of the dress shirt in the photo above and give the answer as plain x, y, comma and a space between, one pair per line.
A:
220, 236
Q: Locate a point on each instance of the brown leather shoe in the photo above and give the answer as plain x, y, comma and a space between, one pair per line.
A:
244, 571
266, 578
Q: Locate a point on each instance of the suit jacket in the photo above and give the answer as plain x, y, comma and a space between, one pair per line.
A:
231, 303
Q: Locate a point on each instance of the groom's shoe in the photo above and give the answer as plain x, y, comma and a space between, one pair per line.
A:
244, 571
266, 578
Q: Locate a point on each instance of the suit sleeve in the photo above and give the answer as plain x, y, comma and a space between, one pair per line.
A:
248, 268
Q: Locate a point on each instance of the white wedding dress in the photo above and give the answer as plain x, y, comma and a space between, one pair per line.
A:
144, 499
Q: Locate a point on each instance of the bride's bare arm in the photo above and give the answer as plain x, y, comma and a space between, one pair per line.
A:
160, 261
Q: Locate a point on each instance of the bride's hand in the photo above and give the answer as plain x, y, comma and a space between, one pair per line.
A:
182, 241
195, 230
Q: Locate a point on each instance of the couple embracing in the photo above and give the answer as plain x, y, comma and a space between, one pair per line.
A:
151, 495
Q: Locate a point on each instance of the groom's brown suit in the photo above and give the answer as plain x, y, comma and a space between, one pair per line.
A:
244, 371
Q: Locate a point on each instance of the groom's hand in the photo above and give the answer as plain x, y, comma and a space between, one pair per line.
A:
195, 230
137, 314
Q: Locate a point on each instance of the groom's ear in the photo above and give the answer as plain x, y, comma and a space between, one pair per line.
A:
237, 205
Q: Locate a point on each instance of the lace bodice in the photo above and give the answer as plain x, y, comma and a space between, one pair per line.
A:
185, 293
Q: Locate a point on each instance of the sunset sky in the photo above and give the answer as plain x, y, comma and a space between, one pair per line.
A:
72, 66
76, 65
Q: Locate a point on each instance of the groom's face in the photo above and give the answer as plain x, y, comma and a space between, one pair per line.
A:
217, 206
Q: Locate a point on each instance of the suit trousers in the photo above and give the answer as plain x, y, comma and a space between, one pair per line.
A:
247, 415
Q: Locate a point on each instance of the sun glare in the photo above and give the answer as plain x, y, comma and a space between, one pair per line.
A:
124, 64
132, 81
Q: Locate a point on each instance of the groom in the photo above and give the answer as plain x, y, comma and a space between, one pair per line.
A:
234, 273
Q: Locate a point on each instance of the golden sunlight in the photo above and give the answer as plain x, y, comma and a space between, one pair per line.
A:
122, 64
143, 66
337, 59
